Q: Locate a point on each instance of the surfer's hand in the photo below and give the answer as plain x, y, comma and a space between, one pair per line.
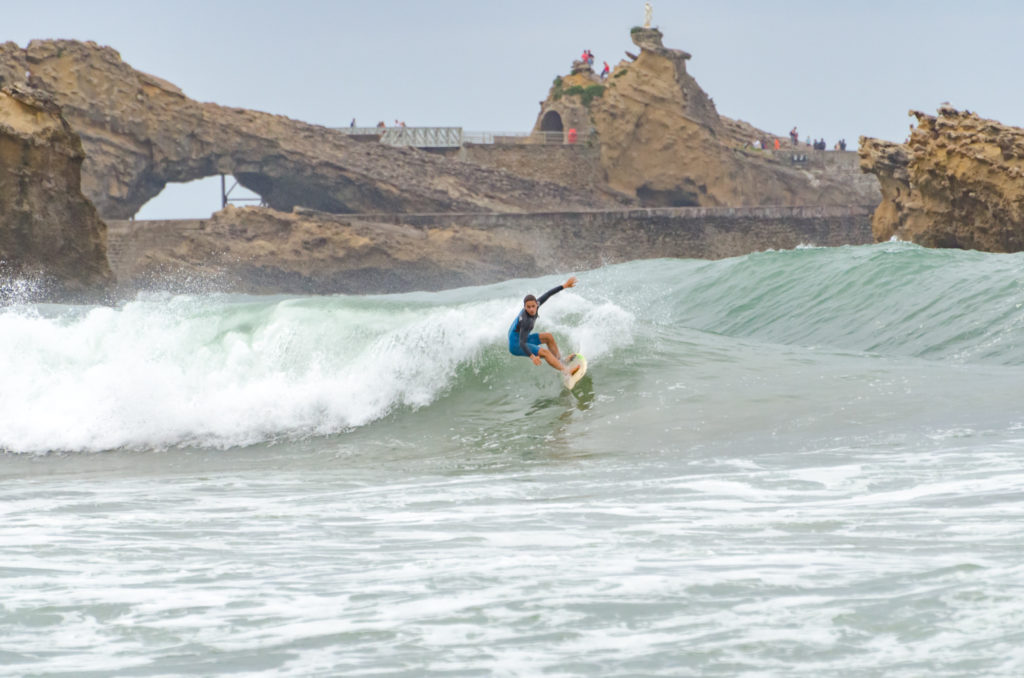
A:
571, 282
535, 359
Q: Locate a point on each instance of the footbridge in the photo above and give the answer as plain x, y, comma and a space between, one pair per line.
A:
453, 137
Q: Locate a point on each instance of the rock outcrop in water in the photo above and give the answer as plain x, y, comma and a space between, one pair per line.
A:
262, 251
957, 182
140, 132
257, 250
662, 140
50, 234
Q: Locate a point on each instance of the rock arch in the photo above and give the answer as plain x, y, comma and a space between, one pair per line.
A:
140, 132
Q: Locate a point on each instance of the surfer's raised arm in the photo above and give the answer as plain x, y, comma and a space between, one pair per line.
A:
571, 282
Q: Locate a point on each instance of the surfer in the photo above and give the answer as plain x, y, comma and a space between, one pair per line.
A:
522, 340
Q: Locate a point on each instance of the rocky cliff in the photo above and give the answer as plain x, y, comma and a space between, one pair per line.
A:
50, 234
662, 141
140, 132
957, 182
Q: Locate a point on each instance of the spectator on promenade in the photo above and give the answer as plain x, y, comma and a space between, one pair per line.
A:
353, 123
842, 144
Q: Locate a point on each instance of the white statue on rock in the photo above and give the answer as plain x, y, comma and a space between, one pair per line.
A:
648, 11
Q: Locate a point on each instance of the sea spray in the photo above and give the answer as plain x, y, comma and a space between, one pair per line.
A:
228, 370
223, 370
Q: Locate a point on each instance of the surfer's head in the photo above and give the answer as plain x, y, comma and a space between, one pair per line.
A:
530, 304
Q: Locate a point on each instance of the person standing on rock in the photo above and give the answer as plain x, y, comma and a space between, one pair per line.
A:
605, 71
523, 341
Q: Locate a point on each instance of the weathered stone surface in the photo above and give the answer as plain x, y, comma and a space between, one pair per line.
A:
50, 233
264, 251
662, 140
957, 182
13, 65
140, 132
259, 250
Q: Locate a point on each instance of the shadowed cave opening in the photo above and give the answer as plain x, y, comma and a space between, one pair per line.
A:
677, 197
551, 122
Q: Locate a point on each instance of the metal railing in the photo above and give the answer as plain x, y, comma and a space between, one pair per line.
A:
537, 137
417, 137
454, 137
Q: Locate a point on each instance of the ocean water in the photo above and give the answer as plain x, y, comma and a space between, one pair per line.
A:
795, 463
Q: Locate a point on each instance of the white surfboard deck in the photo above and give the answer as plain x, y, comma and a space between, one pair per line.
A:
571, 380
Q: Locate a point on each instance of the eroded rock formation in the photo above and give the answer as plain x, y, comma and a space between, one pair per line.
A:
258, 250
662, 141
957, 182
50, 234
140, 132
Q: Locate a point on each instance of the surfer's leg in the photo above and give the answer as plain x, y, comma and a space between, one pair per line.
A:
552, 359
552, 346
548, 340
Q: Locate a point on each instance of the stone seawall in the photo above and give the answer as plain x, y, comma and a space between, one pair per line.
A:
257, 250
131, 243
685, 232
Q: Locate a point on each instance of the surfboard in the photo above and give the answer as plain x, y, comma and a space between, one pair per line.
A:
571, 380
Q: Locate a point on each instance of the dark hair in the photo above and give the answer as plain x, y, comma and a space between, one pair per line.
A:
529, 297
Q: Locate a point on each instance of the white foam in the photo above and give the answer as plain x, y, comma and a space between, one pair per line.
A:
225, 371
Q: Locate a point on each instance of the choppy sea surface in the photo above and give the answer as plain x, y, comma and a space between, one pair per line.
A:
796, 463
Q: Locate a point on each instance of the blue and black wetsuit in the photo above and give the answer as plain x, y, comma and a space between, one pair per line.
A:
521, 338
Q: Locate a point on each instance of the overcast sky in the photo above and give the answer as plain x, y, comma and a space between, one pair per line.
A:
834, 69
